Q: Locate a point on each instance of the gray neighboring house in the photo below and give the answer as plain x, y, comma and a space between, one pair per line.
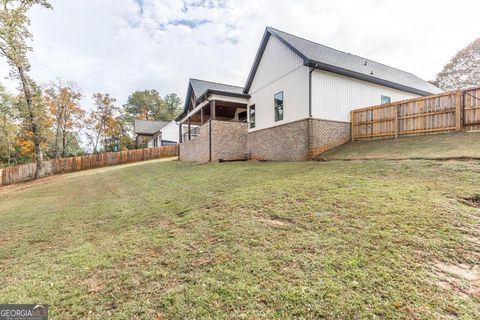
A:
295, 104
148, 133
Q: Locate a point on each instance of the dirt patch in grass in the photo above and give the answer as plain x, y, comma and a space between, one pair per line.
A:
473, 201
276, 221
463, 278
93, 285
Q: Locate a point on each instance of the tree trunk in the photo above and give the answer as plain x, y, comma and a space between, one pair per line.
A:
64, 144
57, 134
37, 141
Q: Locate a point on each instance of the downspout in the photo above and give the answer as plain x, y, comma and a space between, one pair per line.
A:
209, 132
309, 144
310, 91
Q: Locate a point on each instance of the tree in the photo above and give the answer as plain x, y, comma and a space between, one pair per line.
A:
63, 99
13, 46
8, 128
463, 70
149, 105
26, 138
102, 122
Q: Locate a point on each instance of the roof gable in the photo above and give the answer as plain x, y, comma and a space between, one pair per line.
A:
322, 57
148, 127
198, 88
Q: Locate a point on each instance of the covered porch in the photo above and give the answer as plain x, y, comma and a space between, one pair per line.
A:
215, 130
216, 107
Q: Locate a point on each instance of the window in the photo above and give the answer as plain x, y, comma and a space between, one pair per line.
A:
252, 116
386, 99
242, 116
278, 106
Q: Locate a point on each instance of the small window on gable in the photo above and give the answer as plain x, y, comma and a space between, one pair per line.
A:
278, 106
386, 100
251, 111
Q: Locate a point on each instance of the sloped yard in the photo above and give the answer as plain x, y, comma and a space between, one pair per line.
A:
173, 240
437, 146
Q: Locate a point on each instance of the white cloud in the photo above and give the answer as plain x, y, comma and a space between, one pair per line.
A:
118, 46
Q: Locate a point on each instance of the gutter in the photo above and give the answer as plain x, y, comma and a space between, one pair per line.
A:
363, 77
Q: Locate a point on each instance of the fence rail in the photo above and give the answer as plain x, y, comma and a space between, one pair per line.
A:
449, 111
25, 172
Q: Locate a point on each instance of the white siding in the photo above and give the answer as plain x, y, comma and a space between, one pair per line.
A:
280, 69
334, 96
170, 132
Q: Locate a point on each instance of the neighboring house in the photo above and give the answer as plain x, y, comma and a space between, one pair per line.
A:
152, 134
295, 104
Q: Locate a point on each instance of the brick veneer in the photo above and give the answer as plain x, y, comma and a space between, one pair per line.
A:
325, 135
299, 140
294, 141
288, 142
229, 142
196, 149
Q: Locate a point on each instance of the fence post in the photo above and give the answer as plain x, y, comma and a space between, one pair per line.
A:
352, 126
397, 124
458, 110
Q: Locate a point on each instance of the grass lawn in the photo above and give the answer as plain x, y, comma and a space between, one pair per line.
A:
173, 240
451, 145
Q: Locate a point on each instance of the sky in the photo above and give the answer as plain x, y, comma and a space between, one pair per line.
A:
119, 46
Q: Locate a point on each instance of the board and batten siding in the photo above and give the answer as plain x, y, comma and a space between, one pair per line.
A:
280, 69
334, 96
170, 132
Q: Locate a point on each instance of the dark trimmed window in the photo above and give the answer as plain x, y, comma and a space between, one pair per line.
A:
386, 100
278, 106
251, 111
242, 116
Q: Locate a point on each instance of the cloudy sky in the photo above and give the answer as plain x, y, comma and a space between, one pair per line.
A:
119, 46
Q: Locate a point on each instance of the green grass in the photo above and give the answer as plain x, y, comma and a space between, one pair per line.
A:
437, 146
173, 240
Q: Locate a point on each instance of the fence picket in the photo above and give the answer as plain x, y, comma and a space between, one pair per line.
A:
445, 112
25, 172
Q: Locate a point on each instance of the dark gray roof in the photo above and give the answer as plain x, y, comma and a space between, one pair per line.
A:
147, 127
332, 60
201, 86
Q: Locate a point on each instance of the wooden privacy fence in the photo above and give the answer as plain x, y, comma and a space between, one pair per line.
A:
24, 172
449, 111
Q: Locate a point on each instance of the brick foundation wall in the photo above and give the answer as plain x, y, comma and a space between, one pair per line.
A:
296, 141
196, 149
229, 142
325, 135
287, 142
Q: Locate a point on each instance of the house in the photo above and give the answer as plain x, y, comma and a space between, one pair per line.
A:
295, 104
152, 134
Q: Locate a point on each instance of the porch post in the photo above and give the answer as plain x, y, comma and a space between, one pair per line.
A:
213, 109
189, 133
201, 116
180, 138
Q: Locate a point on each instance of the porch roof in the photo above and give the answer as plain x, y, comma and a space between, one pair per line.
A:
222, 98
201, 89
